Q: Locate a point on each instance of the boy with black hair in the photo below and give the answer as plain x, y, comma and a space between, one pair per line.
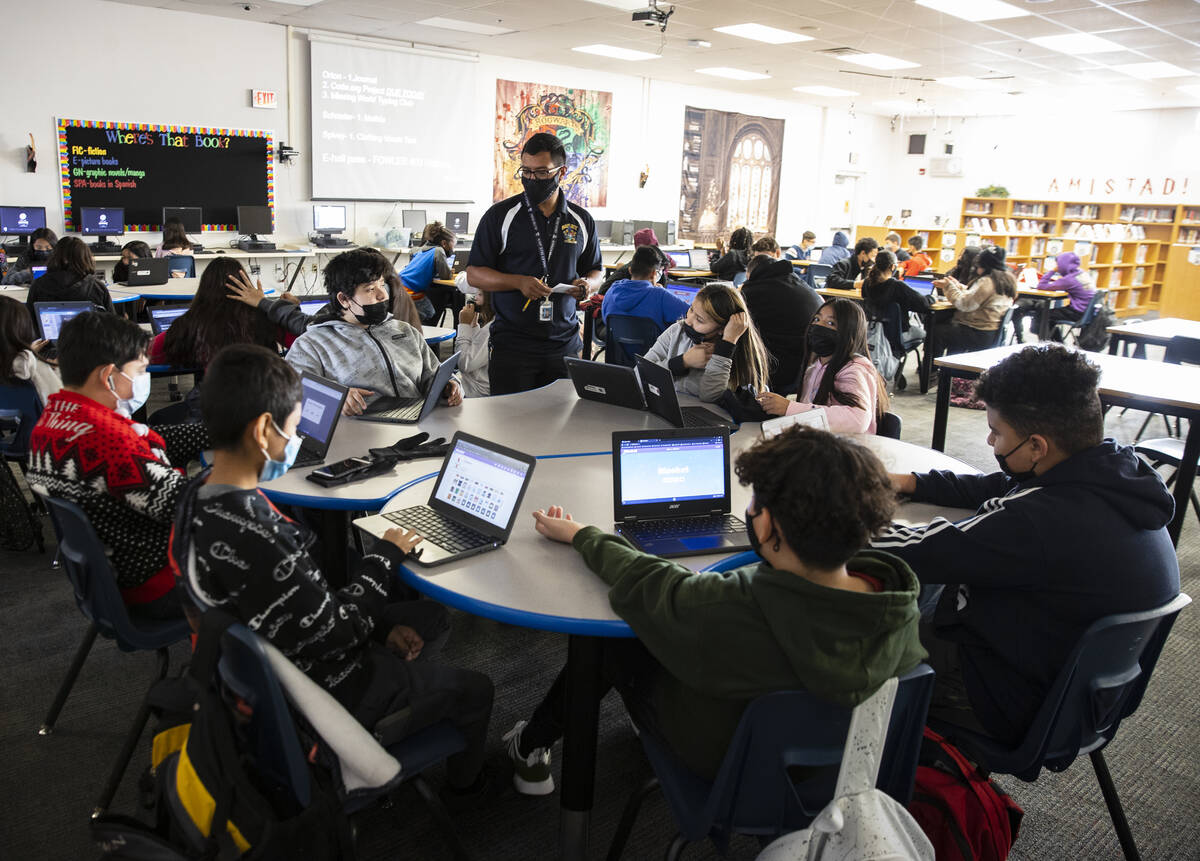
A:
361, 345
234, 550
918, 261
848, 274
86, 449
818, 613
640, 296
1072, 528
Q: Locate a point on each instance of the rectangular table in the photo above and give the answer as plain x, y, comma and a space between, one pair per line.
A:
1155, 387
1158, 332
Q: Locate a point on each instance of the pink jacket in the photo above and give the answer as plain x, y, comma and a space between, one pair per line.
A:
857, 377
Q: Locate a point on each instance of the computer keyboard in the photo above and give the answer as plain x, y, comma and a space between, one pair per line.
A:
721, 524
438, 530
699, 417
407, 411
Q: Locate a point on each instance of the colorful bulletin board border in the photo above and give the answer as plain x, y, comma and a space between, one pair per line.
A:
64, 160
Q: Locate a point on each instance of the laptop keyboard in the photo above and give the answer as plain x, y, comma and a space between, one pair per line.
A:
308, 457
720, 524
409, 411
439, 530
699, 417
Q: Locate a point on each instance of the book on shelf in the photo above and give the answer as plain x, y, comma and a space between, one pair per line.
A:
1083, 211
1139, 276
1114, 278
1118, 253
1141, 254
1039, 247
1027, 209
1189, 236
1191, 214
978, 208
1011, 246
1135, 298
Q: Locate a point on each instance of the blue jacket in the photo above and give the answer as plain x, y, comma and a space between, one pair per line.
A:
1037, 564
840, 250
643, 299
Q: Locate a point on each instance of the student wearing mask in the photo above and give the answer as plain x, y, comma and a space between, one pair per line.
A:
918, 261
1067, 275
780, 305
130, 252
20, 352
639, 295
981, 304
431, 262
360, 344
523, 248
175, 240
839, 250
86, 449
804, 249
644, 237
70, 277
848, 273
474, 329
41, 243
733, 262
840, 378
891, 244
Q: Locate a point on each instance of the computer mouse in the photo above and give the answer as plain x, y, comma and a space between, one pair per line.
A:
218, 251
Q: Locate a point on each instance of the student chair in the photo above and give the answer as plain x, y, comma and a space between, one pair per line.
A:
739, 279
1004, 323
1167, 451
1101, 683
893, 330
889, 425
1181, 350
20, 409
96, 594
753, 792
184, 263
1089, 313
629, 337
816, 273
246, 670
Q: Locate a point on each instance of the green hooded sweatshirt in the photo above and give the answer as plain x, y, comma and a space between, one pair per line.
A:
725, 638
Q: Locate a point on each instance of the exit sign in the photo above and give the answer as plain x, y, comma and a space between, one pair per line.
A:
262, 98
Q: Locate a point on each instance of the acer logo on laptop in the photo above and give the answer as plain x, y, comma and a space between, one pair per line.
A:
673, 505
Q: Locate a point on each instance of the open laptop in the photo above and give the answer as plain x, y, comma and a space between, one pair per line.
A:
407, 411
52, 315
610, 384
320, 409
473, 505
148, 272
37, 271
162, 316
312, 306
658, 385
680, 259
671, 492
924, 286
686, 292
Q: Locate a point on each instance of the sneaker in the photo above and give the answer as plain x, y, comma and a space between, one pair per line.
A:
531, 774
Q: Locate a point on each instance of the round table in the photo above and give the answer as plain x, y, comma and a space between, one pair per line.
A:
437, 334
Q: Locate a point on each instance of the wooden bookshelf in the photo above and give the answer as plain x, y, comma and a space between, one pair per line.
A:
935, 237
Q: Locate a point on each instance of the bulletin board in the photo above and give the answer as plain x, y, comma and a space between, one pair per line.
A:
144, 167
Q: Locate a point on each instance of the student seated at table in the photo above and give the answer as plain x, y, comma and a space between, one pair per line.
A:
768, 246
847, 274
776, 300
175, 240
818, 613
980, 304
373, 654
803, 249
1072, 528
428, 263
881, 287
918, 261
732, 263
41, 243
1067, 275
130, 252
641, 239
891, 244
839, 250
364, 346
640, 296
20, 352
964, 267
840, 378
87, 450
715, 348
70, 277
474, 329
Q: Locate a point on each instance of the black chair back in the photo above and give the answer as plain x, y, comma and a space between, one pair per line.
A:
888, 425
20, 409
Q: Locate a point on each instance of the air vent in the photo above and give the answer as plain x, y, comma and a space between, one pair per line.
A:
841, 52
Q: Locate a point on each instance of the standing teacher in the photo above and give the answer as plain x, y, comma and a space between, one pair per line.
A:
523, 247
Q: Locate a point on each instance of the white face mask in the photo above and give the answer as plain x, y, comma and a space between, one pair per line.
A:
141, 393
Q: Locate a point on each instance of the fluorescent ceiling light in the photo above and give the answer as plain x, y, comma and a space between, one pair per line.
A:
627, 5
877, 61
763, 33
975, 10
1192, 90
965, 83
465, 26
615, 52
1077, 43
818, 90
735, 74
1149, 71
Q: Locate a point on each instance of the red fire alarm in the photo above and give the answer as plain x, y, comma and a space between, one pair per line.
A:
920, 171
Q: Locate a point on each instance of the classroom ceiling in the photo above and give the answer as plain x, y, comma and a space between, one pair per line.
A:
1007, 72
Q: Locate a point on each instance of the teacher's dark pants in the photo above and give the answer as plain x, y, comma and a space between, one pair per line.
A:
510, 371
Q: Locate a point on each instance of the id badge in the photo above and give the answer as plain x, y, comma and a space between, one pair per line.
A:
546, 311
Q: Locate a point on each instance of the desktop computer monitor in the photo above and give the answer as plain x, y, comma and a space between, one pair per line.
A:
102, 221
642, 225
415, 219
253, 220
191, 216
21, 220
604, 231
458, 222
329, 219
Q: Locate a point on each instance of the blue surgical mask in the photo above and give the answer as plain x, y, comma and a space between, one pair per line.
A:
141, 393
273, 469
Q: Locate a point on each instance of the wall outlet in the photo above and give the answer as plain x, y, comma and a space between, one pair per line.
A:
314, 268
278, 272
255, 269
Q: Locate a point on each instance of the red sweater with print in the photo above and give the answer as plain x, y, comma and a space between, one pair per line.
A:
117, 471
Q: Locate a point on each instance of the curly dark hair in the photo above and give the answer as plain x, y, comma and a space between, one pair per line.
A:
827, 494
1047, 390
352, 269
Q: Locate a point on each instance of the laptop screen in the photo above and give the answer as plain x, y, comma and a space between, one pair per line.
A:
671, 470
37, 271
680, 259
922, 285
312, 306
52, 315
165, 315
319, 409
686, 292
699, 259
482, 483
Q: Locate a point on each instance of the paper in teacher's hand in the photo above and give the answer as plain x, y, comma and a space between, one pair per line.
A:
563, 288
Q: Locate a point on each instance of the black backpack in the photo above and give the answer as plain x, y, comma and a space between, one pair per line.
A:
1094, 336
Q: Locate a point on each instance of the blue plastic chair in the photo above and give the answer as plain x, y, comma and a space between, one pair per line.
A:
1101, 683
816, 273
96, 594
20, 409
184, 263
629, 337
739, 279
246, 671
753, 792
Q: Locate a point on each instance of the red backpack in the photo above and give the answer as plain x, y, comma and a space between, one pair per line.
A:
966, 816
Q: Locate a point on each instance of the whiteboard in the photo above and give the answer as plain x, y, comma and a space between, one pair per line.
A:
382, 126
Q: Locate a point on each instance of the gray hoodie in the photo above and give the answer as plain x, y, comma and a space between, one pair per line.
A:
390, 359
707, 383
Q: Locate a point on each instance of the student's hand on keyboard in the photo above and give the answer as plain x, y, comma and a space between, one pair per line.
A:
773, 404
556, 524
452, 393
405, 642
406, 540
356, 403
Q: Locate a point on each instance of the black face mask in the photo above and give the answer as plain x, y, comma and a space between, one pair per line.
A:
822, 340
372, 314
1002, 460
39, 255
692, 335
540, 190
752, 537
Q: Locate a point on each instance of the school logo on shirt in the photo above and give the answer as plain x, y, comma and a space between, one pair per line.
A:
570, 233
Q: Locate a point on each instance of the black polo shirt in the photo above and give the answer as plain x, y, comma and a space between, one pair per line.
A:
504, 241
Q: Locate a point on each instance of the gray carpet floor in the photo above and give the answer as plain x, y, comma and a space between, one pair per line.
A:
48, 784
